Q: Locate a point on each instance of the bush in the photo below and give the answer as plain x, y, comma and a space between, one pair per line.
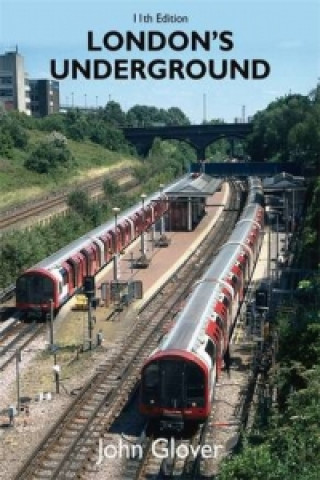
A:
50, 154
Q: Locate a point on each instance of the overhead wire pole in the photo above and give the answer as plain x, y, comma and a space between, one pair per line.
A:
51, 324
18, 360
90, 326
56, 367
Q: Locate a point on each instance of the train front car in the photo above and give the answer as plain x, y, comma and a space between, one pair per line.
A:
38, 289
178, 378
175, 388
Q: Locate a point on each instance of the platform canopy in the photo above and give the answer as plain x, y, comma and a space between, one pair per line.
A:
283, 181
194, 186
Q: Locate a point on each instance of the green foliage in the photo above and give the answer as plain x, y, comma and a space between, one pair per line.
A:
166, 161
289, 446
49, 155
6, 143
281, 131
145, 116
110, 188
12, 134
309, 244
112, 114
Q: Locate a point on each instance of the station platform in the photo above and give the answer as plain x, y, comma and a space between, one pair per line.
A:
71, 327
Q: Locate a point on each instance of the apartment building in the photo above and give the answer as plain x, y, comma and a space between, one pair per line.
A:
14, 84
36, 97
44, 97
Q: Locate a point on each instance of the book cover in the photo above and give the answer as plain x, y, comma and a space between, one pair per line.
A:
221, 59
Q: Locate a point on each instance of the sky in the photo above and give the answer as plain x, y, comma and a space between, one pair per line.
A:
284, 33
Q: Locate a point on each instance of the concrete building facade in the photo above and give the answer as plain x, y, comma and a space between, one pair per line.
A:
44, 96
14, 83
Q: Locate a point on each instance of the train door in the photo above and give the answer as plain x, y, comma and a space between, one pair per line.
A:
100, 253
68, 268
77, 269
108, 248
131, 229
211, 350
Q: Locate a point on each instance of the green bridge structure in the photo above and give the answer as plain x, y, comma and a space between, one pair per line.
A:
198, 136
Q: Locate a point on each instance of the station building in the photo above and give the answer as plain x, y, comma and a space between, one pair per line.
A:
187, 200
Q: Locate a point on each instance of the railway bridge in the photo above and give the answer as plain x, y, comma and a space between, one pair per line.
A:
199, 136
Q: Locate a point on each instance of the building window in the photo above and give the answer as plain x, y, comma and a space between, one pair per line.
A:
6, 92
6, 80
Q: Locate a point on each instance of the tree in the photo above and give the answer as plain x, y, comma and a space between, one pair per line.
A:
50, 154
175, 116
272, 127
113, 114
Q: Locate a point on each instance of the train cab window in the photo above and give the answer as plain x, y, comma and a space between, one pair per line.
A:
172, 383
34, 289
151, 383
195, 386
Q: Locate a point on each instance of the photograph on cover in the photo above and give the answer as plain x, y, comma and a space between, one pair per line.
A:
159, 239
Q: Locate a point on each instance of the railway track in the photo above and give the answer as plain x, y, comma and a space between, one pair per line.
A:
14, 339
71, 443
7, 293
13, 217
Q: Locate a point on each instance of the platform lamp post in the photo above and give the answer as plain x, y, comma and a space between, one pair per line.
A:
143, 197
162, 224
115, 210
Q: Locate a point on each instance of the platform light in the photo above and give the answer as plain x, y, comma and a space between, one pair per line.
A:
115, 210
143, 196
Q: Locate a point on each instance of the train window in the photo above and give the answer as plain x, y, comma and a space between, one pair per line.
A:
195, 385
172, 383
151, 376
151, 383
219, 323
64, 274
223, 299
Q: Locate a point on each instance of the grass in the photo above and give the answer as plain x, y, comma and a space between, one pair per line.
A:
18, 185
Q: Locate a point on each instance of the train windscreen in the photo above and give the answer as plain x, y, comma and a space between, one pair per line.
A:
173, 384
34, 289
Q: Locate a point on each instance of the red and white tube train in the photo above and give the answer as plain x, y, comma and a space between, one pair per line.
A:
178, 379
62, 274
